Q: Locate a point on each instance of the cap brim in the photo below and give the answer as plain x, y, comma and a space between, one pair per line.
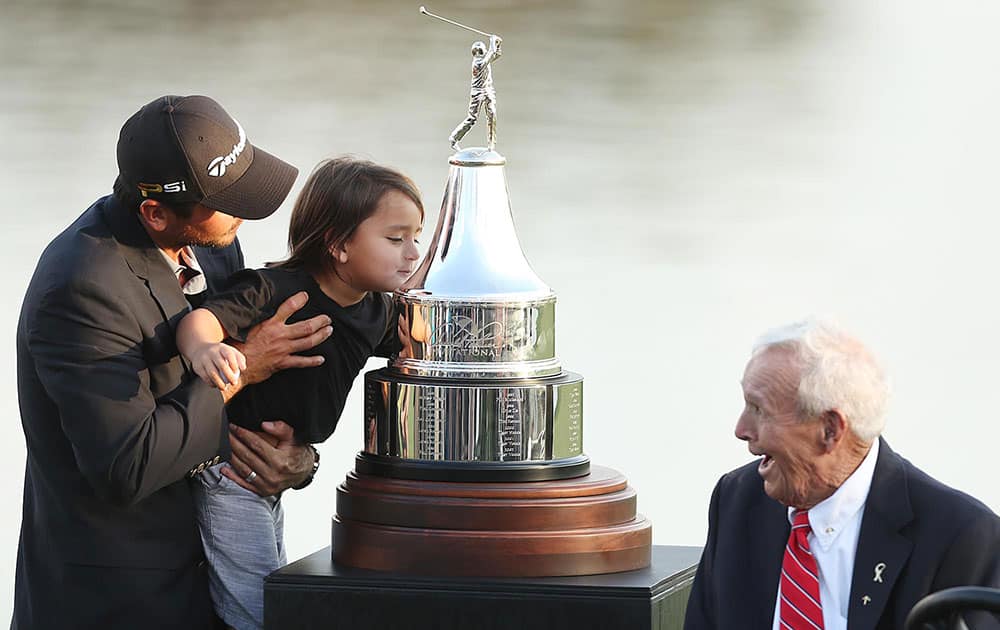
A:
259, 192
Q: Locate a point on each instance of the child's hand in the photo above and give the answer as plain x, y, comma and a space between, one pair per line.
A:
218, 364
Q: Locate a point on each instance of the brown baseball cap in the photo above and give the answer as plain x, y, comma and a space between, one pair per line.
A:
187, 149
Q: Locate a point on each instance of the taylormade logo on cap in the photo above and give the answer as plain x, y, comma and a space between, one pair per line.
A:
217, 167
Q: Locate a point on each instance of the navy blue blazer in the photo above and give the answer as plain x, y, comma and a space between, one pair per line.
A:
929, 536
114, 422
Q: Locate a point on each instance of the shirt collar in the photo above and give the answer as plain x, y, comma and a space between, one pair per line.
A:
831, 516
196, 284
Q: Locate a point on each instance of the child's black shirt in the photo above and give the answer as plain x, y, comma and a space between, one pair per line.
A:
309, 399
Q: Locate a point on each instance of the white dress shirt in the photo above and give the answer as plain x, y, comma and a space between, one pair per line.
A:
836, 523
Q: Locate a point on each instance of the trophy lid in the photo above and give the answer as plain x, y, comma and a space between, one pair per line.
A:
475, 254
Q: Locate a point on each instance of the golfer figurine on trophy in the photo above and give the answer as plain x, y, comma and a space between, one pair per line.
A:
482, 93
482, 86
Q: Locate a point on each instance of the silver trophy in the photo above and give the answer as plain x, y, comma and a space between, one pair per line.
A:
477, 393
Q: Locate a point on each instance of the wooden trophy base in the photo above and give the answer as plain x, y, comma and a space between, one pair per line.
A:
581, 526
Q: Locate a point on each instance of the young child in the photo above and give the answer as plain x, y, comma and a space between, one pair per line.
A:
352, 237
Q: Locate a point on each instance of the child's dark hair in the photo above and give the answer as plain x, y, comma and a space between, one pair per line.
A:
338, 196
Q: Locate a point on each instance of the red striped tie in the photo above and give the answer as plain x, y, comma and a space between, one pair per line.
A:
800, 605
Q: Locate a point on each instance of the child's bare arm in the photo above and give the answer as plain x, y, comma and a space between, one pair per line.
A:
199, 327
199, 338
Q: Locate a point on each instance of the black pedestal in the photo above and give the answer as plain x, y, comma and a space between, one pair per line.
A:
315, 593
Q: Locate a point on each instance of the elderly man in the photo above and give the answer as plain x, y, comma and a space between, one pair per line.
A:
115, 421
830, 528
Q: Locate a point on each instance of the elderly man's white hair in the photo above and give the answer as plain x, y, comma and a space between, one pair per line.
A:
838, 372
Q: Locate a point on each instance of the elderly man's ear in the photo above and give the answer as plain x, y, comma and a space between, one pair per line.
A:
834, 426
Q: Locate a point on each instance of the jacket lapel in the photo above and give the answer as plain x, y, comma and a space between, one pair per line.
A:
767, 553
882, 550
146, 262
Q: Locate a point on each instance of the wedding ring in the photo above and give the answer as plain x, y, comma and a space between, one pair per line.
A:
251, 477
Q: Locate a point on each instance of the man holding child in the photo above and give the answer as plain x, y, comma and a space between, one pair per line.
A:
115, 421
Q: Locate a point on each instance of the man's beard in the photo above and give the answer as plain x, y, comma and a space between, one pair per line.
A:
193, 236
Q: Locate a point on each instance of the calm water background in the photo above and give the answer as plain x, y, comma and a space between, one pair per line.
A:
684, 173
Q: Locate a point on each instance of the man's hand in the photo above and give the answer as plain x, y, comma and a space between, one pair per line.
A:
271, 345
279, 463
